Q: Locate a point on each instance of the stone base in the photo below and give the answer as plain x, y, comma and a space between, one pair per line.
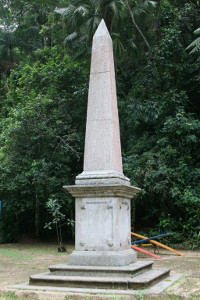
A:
139, 275
103, 258
105, 271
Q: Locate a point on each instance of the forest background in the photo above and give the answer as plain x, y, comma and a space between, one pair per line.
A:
45, 48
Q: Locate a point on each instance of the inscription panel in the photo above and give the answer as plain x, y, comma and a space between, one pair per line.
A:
96, 219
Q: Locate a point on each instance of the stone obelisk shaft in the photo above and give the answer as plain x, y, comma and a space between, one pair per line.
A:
102, 155
102, 142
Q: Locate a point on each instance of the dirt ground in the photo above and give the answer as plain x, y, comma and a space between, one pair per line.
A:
19, 261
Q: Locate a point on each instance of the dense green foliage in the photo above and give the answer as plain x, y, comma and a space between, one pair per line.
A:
44, 68
40, 137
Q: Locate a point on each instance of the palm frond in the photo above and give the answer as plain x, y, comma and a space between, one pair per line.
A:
197, 31
137, 10
195, 45
61, 11
131, 44
92, 24
148, 3
114, 8
118, 46
66, 12
83, 10
71, 37
196, 49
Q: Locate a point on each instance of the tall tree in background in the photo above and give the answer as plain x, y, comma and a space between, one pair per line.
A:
40, 138
82, 18
162, 118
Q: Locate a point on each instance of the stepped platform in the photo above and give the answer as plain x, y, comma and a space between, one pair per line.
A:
139, 275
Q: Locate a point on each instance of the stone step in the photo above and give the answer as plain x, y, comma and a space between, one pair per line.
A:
141, 281
104, 271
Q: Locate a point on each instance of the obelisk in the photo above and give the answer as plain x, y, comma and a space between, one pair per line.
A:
103, 258
102, 192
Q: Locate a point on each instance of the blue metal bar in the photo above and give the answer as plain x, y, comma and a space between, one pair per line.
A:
151, 238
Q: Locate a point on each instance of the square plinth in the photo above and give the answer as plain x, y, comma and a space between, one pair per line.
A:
102, 225
103, 258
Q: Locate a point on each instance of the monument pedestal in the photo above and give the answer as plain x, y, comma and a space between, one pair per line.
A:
102, 223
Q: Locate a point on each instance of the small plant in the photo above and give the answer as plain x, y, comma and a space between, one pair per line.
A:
141, 294
69, 298
54, 208
8, 295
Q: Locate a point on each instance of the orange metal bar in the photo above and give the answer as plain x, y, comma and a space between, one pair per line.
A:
145, 251
158, 244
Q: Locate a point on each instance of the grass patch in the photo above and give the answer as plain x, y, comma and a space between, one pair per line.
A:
8, 295
13, 253
12, 296
117, 298
54, 252
165, 297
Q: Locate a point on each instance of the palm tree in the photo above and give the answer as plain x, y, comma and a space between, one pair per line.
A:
136, 8
81, 19
89, 13
8, 42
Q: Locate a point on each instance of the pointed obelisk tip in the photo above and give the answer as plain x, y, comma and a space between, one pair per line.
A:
102, 30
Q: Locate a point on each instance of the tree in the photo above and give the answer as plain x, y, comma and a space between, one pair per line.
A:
162, 123
58, 220
41, 138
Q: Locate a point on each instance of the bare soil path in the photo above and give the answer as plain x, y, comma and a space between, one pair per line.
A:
19, 261
189, 266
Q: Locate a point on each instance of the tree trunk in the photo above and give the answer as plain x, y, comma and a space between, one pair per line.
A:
138, 29
37, 216
107, 15
11, 54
